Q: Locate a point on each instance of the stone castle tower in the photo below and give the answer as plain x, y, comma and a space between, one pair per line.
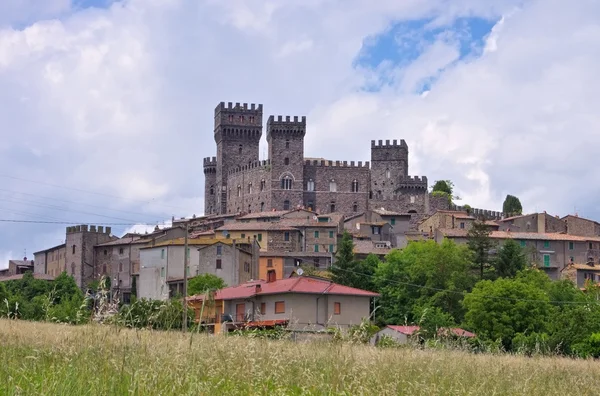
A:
237, 182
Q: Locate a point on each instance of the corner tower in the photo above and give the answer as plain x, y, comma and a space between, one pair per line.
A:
210, 185
389, 165
238, 130
286, 152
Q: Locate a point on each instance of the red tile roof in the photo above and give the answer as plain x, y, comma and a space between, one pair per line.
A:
551, 236
410, 330
301, 284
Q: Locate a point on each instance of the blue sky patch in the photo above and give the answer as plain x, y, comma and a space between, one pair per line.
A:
405, 41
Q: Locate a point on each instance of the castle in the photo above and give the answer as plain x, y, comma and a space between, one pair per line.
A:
236, 181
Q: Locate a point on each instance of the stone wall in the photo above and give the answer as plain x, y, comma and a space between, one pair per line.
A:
324, 240
278, 243
582, 227
210, 185
250, 198
80, 242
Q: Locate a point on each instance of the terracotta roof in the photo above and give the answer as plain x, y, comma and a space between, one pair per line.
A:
583, 267
191, 242
258, 215
354, 216
52, 248
376, 223
256, 226
368, 247
21, 263
553, 236
384, 212
295, 254
301, 285
20, 276
304, 223
198, 234
410, 330
125, 241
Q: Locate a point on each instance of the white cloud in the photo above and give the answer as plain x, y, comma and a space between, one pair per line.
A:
120, 101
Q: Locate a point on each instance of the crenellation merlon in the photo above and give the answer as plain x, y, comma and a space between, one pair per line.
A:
287, 121
253, 165
387, 144
337, 164
230, 107
210, 161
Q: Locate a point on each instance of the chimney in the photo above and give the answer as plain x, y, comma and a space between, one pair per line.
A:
258, 288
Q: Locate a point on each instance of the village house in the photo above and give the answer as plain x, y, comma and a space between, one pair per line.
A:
549, 251
162, 265
300, 303
380, 225
275, 265
17, 267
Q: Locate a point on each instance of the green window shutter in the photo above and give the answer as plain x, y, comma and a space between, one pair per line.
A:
316, 234
331, 234
571, 246
162, 253
162, 272
316, 248
546, 244
330, 248
259, 237
523, 243
546, 260
393, 221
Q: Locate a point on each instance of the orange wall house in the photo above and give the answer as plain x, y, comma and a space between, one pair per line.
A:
267, 264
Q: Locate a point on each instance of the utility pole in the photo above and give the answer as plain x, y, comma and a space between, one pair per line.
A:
185, 266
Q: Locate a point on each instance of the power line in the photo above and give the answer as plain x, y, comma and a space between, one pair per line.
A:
76, 223
86, 191
464, 293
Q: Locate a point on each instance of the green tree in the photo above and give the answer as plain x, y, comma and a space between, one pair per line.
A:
431, 320
501, 309
200, 284
443, 186
512, 206
510, 260
134, 287
423, 274
480, 243
347, 270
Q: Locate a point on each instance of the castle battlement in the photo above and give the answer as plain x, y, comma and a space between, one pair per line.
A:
210, 161
337, 164
387, 144
251, 166
475, 212
92, 228
254, 108
413, 182
288, 120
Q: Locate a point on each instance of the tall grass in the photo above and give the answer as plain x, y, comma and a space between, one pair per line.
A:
53, 359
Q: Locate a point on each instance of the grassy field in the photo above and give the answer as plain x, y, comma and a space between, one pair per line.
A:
48, 359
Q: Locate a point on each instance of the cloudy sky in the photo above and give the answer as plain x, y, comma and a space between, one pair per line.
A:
106, 106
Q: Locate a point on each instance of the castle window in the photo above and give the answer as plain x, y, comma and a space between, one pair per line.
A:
262, 206
230, 118
262, 185
355, 186
252, 119
412, 199
287, 143
212, 190
310, 185
73, 249
286, 161
286, 205
332, 186
310, 206
355, 208
388, 174
332, 207
249, 209
240, 149
249, 188
286, 183
239, 191
370, 194
241, 118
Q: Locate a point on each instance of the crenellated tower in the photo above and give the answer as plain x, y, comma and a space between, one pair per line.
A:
285, 137
389, 164
210, 185
238, 130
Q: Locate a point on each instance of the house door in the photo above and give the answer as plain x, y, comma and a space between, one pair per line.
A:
271, 276
240, 310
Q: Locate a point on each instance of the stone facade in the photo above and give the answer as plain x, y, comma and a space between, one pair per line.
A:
80, 260
50, 261
536, 222
576, 225
236, 181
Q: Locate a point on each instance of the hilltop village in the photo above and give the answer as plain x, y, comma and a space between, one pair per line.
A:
266, 220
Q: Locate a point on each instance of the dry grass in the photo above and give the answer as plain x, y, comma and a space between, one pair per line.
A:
49, 359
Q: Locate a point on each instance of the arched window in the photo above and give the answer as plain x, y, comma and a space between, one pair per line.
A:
262, 185
212, 190
286, 161
262, 206
249, 188
355, 186
249, 209
239, 191
310, 185
286, 205
332, 186
311, 206
286, 183
355, 208
412, 211
332, 207
240, 149
388, 174
287, 143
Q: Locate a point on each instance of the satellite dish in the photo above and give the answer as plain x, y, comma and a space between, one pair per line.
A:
299, 271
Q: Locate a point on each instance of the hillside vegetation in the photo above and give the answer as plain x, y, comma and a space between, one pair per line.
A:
56, 359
